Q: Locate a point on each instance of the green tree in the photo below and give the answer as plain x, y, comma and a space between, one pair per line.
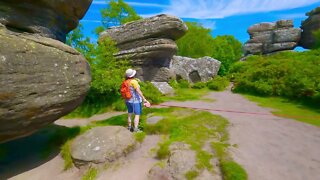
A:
77, 40
228, 50
116, 14
196, 42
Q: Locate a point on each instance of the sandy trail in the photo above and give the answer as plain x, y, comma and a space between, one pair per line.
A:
269, 147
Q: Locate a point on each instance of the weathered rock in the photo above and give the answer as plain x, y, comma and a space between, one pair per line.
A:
102, 144
164, 88
181, 160
148, 44
310, 25
154, 119
49, 18
41, 80
195, 70
271, 37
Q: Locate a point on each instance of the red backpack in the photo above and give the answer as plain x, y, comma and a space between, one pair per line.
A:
125, 89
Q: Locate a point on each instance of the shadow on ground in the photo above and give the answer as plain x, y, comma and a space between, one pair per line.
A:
24, 154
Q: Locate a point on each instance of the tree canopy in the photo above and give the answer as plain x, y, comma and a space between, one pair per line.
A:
198, 42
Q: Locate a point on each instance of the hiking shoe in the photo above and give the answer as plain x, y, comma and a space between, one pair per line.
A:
130, 128
137, 130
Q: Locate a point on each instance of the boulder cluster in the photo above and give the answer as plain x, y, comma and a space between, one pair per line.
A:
271, 37
42, 79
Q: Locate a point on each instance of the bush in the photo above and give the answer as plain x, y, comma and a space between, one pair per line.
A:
218, 83
199, 85
151, 93
289, 74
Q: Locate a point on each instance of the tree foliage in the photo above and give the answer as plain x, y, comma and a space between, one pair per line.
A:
316, 34
115, 14
198, 42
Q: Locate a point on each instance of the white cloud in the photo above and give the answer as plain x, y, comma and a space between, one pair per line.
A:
102, 2
206, 9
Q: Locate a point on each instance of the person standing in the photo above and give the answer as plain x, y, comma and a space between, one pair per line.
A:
134, 104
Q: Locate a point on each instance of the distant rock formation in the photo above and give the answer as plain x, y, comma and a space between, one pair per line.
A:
42, 79
311, 24
195, 70
49, 18
148, 44
271, 37
102, 145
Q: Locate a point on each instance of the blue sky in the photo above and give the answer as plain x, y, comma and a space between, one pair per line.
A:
224, 17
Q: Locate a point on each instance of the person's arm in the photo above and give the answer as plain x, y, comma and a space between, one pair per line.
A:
141, 94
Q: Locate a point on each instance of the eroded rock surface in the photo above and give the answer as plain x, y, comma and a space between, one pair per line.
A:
41, 79
102, 144
49, 18
148, 44
195, 70
310, 25
271, 37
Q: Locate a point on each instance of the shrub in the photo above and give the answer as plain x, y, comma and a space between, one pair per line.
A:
289, 74
218, 83
151, 93
199, 85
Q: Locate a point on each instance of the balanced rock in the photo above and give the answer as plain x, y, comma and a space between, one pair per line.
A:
149, 44
271, 37
102, 144
309, 26
41, 80
49, 18
195, 70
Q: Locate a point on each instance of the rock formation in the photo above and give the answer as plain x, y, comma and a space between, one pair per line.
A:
42, 79
271, 37
49, 18
149, 44
195, 70
102, 145
311, 24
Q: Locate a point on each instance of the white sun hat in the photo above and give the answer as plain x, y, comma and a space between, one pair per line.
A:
130, 73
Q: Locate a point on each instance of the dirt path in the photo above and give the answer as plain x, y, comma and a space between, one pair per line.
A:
269, 147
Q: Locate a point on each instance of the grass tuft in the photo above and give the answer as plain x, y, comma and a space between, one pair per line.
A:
91, 174
233, 171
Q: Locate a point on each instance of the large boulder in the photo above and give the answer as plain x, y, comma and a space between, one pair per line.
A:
41, 80
49, 18
195, 70
102, 145
310, 25
271, 37
149, 44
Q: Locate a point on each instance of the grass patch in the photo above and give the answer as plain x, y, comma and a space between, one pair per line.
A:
66, 155
288, 109
192, 127
140, 136
233, 171
91, 174
192, 175
187, 94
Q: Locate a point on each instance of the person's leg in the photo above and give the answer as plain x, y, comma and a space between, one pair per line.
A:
137, 111
129, 119
130, 111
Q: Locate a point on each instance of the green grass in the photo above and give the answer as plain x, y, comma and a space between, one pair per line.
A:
66, 155
192, 127
187, 94
140, 136
91, 174
233, 171
288, 109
